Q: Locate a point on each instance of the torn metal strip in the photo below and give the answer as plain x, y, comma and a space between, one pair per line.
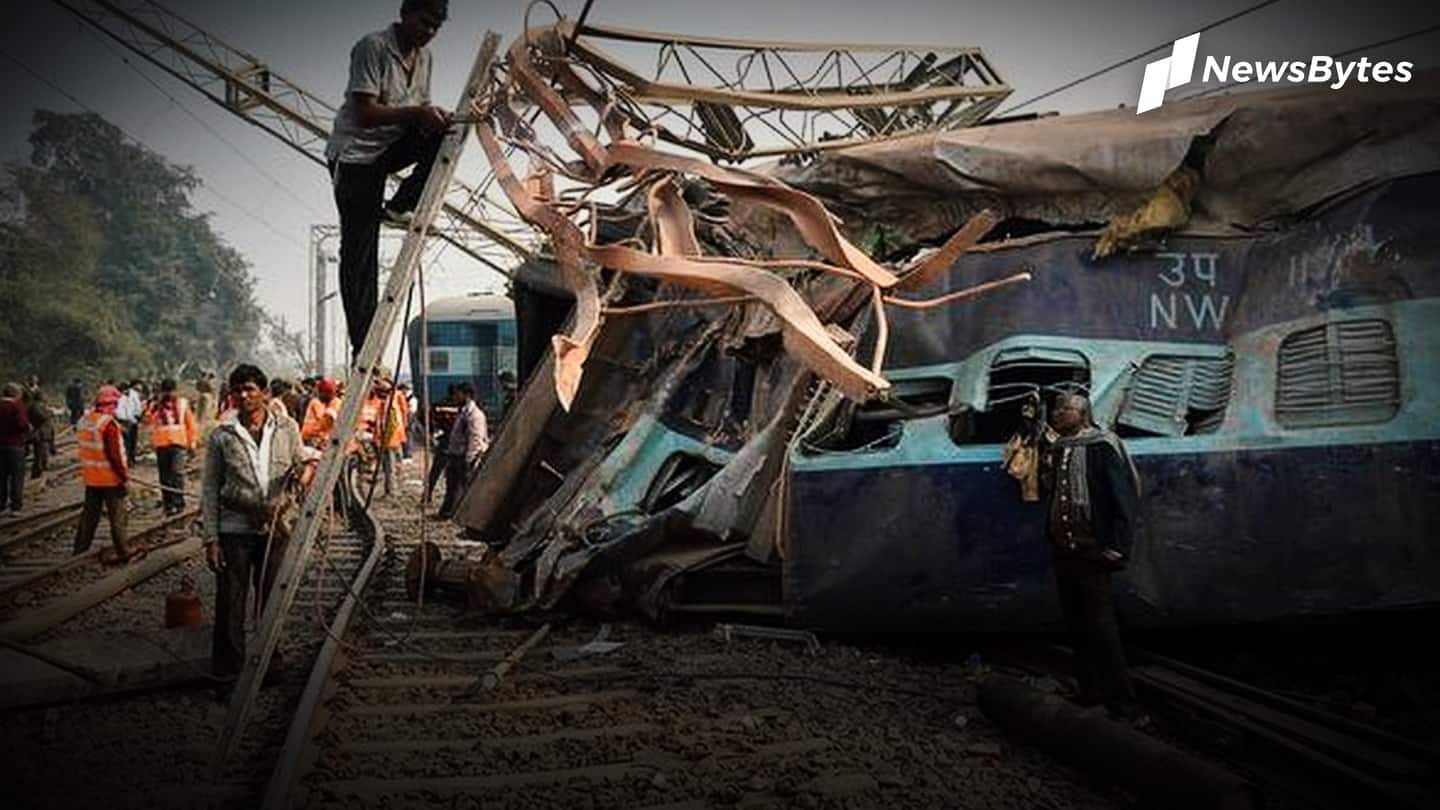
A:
570, 350
804, 334
811, 218
534, 85
926, 270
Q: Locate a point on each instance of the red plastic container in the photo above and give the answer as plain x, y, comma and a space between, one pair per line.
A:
182, 608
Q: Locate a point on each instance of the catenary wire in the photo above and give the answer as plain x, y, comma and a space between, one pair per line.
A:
141, 143
1123, 62
251, 162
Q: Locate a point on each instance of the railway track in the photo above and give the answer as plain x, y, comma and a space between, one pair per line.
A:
408, 705
342, 561
390, 703
51, 599
1308, 753
22, 530
37, 548
1289, 748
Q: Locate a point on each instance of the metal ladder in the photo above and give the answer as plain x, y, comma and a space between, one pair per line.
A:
397, 291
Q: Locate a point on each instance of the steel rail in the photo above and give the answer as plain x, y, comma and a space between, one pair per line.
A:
38, 525
46, 616
308, 717
1299, 750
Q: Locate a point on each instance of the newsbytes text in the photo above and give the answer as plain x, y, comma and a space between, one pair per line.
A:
1320, 69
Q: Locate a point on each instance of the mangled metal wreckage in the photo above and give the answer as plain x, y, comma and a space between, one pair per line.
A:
741, 410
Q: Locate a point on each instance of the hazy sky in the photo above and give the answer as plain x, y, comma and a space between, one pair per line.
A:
1035, 45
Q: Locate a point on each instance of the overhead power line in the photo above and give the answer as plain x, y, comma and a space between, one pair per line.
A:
289, 192
140, 142
1123, 62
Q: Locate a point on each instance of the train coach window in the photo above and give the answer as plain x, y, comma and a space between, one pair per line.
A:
1017, 374
879, 424
1175, 395
1341, 373
439, 361
678, 477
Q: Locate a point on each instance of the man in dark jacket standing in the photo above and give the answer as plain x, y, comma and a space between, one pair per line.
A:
1091, 493
42, 436
14, 434
75, 400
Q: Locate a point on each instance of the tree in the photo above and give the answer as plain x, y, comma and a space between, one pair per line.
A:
293, 352
107, 268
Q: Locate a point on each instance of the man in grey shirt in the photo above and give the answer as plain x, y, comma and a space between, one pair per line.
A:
385, 124
469, 439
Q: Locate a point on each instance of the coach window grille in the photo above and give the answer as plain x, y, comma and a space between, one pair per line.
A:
1176, 395
1016, 375
1341, 373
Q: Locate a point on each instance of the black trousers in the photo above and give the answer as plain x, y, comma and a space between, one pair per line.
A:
457, 473
359, 195
12, 477
1089, 608
438, 462
245, 562
130, 436
112, 500
171, 461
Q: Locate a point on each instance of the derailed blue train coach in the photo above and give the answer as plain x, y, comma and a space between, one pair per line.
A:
1279, 393
1268, 347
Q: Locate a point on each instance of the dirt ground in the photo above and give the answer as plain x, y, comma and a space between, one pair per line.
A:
740, 723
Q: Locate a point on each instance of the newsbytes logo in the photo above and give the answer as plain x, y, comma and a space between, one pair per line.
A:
1179, 68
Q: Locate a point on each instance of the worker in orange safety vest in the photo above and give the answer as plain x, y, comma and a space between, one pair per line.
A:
173, 434
104, 472
321, 414
388, 433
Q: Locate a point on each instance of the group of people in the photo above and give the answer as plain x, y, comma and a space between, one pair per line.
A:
263, 456
106, 437
271, 432
27, 424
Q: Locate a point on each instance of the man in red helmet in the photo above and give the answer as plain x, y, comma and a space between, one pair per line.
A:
321, 414
105, 473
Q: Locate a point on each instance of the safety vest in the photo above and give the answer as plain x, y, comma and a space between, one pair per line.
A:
95, 469
369, 422
394, 430
370, 415
180, 434
320, 419
399, 423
